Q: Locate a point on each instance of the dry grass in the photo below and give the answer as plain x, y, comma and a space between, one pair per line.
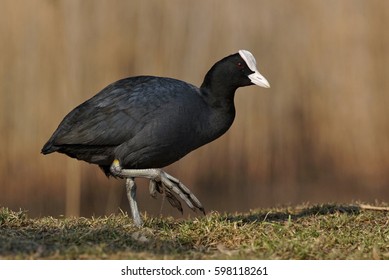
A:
306, 232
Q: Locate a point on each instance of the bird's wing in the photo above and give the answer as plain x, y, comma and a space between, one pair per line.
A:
113, 116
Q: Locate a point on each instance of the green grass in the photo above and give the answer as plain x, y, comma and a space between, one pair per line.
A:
305, 232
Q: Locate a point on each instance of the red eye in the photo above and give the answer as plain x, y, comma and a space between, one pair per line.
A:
239, 65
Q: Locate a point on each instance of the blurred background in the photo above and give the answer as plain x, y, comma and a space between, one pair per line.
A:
319, 134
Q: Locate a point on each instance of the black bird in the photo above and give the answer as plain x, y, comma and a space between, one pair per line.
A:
137, 125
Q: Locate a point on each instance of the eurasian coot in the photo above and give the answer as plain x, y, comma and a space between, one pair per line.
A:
139, 124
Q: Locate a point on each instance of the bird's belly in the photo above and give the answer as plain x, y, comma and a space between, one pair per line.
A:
152, 156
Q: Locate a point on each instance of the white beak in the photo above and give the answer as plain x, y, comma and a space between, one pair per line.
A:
259, 80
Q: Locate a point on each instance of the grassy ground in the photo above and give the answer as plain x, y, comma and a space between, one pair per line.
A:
306, 232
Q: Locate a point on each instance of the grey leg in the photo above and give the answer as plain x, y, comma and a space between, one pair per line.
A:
131, 195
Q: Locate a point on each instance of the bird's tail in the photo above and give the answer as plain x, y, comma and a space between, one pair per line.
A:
106, 169
49, 148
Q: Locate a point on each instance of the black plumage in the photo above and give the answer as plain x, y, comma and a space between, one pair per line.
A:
150, 122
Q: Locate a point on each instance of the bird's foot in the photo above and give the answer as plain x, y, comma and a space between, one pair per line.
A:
161, 182
165, 183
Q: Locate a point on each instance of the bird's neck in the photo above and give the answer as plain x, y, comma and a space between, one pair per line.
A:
217, 92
